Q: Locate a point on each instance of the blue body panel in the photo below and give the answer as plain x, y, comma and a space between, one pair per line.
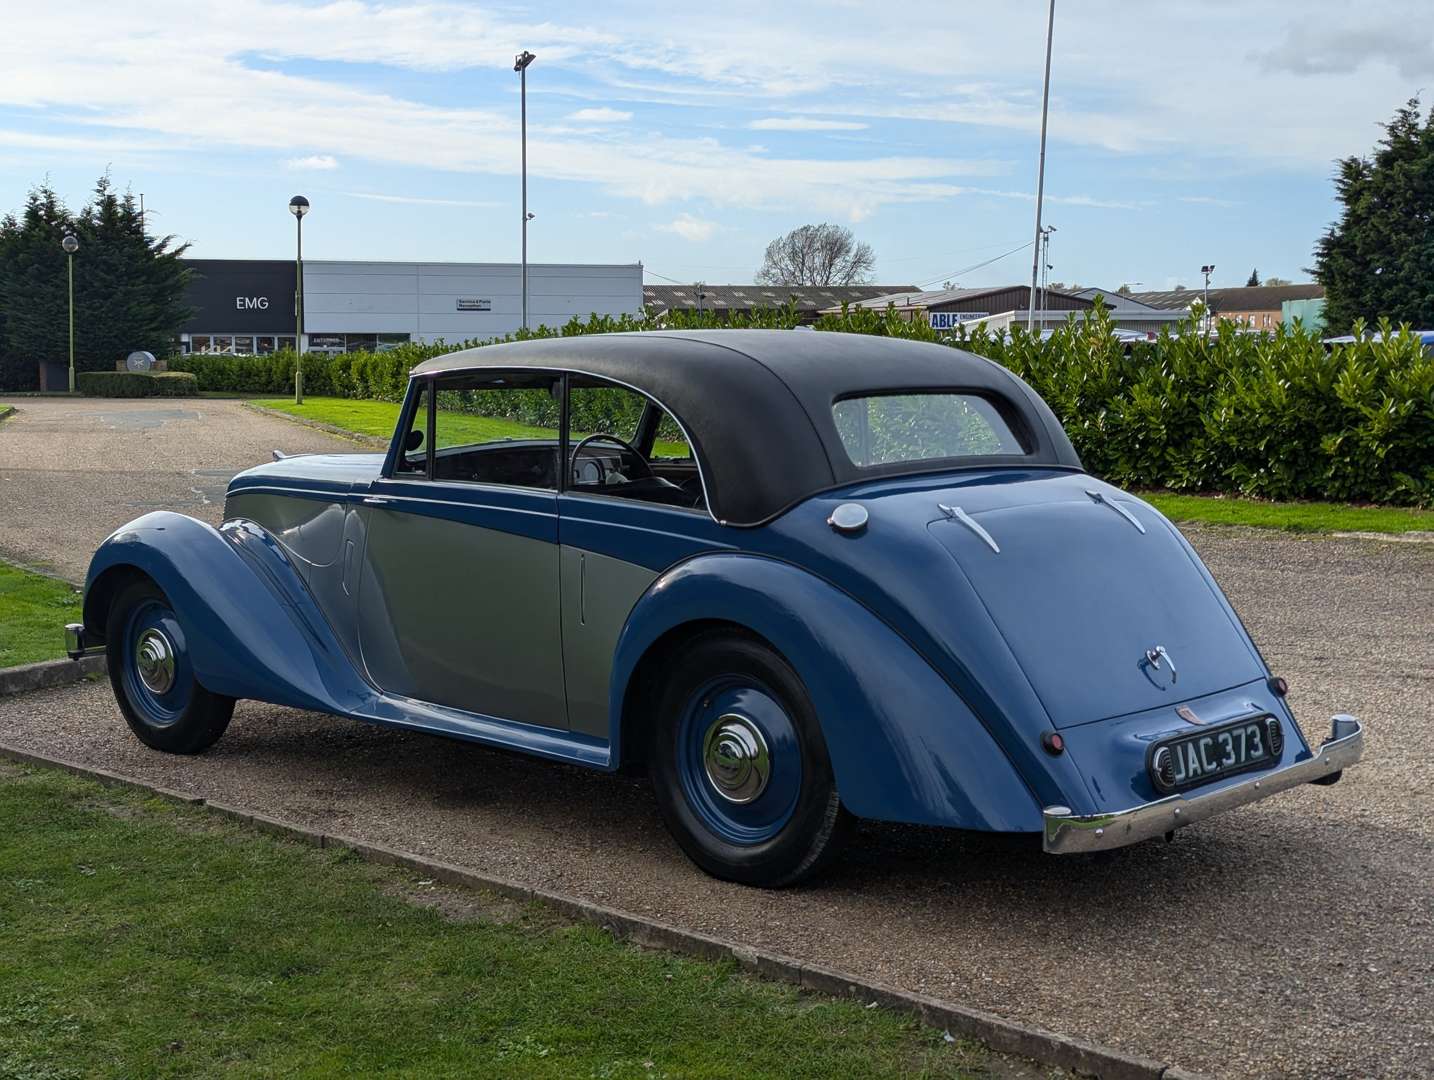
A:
904, 746
933, 668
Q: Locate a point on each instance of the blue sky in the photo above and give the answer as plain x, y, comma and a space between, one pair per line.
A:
689, 137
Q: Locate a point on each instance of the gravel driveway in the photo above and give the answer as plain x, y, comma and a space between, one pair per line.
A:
71, 472
1290, 938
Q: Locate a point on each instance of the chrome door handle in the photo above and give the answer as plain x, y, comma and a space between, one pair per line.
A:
1158, 654
376, 500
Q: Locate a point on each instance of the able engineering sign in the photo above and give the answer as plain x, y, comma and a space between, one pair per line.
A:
949, 320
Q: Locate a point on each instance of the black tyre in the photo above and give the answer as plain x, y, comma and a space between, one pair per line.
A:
153, 678
740, 768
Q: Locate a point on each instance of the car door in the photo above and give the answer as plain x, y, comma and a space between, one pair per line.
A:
458, 604
628, 510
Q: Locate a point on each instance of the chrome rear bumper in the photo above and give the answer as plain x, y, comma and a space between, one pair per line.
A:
1066, 833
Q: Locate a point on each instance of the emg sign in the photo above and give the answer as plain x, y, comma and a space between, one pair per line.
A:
251, 303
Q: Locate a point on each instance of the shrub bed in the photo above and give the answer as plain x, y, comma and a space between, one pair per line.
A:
136, 384
1274, 416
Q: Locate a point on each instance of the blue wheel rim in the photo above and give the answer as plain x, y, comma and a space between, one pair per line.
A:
154, 664
742, 805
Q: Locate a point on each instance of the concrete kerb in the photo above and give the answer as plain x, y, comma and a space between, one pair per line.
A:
1000, 1034
49, 673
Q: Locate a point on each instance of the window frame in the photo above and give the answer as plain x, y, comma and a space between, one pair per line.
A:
417, 384
644, 440
424, 390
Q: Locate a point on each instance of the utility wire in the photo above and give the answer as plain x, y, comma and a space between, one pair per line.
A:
977, 266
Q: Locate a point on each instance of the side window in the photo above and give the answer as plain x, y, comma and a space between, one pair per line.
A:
491, 428
622, 444
413, 455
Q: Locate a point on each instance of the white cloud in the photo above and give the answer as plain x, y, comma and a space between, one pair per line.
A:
602, 115
416, 200
1206, 200
690, 228
803, 123
318, 162
125, 93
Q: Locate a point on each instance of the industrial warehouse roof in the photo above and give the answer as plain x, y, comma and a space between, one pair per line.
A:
1011, 296
1249, 298
1118, 302
808, 299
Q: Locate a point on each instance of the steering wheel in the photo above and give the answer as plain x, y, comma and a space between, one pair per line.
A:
573, 459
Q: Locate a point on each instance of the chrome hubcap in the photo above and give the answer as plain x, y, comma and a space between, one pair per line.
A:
154, 660
736, 758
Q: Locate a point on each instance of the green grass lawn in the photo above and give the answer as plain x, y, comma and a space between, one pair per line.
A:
379, 418
1294, 516
33, 613
139, 938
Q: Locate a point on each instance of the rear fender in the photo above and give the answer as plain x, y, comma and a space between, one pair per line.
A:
251, 627
903, 744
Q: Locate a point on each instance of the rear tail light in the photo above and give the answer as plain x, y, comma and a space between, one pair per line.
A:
1162, 768
1276, 736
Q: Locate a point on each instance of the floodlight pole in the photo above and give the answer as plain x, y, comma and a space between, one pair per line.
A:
520, 65
70, 272
299, 206
71, 245
1041, 168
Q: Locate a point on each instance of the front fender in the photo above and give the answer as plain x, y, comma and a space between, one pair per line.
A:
903, 744
251, 626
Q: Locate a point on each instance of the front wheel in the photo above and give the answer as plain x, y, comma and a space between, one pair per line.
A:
153, 677
740, 768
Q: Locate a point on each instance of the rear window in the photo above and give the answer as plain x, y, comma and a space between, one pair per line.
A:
884, 429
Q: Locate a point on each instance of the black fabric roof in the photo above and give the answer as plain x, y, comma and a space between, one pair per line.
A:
758, 403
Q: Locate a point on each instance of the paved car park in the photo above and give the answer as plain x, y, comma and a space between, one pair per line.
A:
1289, 938
73, 471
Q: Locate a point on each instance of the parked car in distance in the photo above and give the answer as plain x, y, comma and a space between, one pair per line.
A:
797, 578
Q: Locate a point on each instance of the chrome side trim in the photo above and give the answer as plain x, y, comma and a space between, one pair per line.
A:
1121, 510
1067, 833
957, 514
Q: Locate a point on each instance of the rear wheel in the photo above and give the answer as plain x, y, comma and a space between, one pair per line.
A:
153, 678
740, 768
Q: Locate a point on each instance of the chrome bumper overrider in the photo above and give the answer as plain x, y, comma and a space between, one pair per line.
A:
78, 642
1066, 833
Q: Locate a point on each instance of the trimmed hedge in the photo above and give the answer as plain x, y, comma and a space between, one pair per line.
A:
136, 384
1275, 416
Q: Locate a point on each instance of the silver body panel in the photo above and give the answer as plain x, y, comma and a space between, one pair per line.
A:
323, 540
598, 594
463, 616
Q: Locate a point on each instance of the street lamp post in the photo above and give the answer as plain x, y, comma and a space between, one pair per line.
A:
71, 245
1207, 271
520, 65
299, 206
1041, 168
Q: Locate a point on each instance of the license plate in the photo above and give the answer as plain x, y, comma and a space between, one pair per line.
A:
1203, 756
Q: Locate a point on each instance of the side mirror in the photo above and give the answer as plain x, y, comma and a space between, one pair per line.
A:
413, 441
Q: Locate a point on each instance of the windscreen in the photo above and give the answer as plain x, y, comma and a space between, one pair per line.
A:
884, 429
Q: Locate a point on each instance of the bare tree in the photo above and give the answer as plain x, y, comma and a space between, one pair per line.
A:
817, 255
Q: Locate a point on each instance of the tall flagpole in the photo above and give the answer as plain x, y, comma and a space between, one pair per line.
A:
1041, 168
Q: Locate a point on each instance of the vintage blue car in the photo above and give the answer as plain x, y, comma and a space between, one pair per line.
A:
797, 578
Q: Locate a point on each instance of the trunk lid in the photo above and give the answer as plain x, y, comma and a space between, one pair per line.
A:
1084, 597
